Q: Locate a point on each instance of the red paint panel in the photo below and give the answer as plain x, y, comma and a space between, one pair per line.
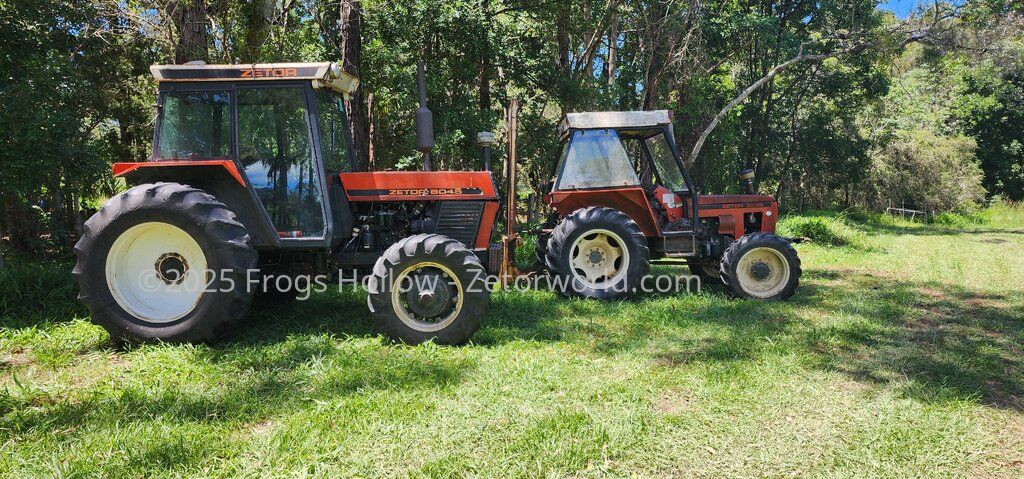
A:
121, 169
630, 200
418, 185
483, 236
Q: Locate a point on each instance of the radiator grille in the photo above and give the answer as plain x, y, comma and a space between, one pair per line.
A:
460, 220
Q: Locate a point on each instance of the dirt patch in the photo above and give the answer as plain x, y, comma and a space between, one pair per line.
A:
15, 358
674, 402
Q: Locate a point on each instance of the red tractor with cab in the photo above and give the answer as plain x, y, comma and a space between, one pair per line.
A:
252, 181
621, 198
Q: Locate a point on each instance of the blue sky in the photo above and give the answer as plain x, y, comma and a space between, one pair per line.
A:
900, 7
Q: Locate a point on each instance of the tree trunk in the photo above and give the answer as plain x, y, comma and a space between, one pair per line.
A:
372, 133
189, 17
485, 61
562, 32
351, 46
258, 15
613, 48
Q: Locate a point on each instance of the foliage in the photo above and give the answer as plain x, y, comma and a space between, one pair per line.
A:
815, 134
31, 291
921, 170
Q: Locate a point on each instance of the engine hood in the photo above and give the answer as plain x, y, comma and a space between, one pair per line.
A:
712, 201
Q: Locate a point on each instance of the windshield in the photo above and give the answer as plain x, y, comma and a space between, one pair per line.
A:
194, 125
595, 159
663, 159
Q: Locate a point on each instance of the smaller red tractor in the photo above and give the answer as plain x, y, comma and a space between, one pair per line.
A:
622, 198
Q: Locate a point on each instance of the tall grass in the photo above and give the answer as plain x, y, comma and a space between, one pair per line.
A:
828, 229
30, 291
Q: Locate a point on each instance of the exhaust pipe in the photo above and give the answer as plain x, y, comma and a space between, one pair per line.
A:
424, 119
747, 176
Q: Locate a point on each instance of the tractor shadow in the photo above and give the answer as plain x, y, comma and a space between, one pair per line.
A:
934, 342
940, 342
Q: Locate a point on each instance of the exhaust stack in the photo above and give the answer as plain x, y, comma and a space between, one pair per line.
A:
424, 119
747, 176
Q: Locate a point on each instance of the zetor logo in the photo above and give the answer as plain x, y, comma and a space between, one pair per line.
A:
425, 191
270, 73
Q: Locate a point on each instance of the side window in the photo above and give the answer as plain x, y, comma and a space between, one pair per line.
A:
596, 159
194, 126
274, 147
333, 131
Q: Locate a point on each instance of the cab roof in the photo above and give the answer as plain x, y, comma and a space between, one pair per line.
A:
322, 74
613, 119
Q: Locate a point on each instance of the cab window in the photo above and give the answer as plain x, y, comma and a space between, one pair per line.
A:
274, 147
595, 159
194, 125
665, 162
334, 134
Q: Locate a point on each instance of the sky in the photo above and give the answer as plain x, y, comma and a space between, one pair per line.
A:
900, 7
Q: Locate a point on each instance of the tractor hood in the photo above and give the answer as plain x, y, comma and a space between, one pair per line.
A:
735, 201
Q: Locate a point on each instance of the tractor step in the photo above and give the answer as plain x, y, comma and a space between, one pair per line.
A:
678, 244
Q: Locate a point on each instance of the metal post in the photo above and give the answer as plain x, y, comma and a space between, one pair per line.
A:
511, 239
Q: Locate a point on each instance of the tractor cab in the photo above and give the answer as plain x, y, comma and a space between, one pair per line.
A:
627, 161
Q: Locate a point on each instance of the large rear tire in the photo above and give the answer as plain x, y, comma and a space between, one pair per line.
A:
761, 266
428, 287
599, 253
164, 262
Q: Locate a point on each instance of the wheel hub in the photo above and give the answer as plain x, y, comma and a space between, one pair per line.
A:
763, 272
760, 270
429, 296
171, 268
598, 259
156, 272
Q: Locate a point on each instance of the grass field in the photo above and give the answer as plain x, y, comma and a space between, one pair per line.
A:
901, 355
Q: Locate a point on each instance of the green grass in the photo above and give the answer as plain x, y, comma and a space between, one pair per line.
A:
901, 355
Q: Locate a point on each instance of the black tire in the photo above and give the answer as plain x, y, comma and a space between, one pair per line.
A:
223, 240
734, 279
457, 325
581, 224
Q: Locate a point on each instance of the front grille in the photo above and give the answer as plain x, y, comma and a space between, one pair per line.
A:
460, 220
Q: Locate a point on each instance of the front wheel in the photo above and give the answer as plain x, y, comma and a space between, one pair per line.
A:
761, 266
428, 287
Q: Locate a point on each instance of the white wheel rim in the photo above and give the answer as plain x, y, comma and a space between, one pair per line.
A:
400, 288
141, 272
599, 259
763, 286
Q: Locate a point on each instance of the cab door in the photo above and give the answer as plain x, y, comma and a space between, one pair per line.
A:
276, 149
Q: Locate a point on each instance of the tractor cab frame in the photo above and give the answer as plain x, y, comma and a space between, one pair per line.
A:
627, 161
